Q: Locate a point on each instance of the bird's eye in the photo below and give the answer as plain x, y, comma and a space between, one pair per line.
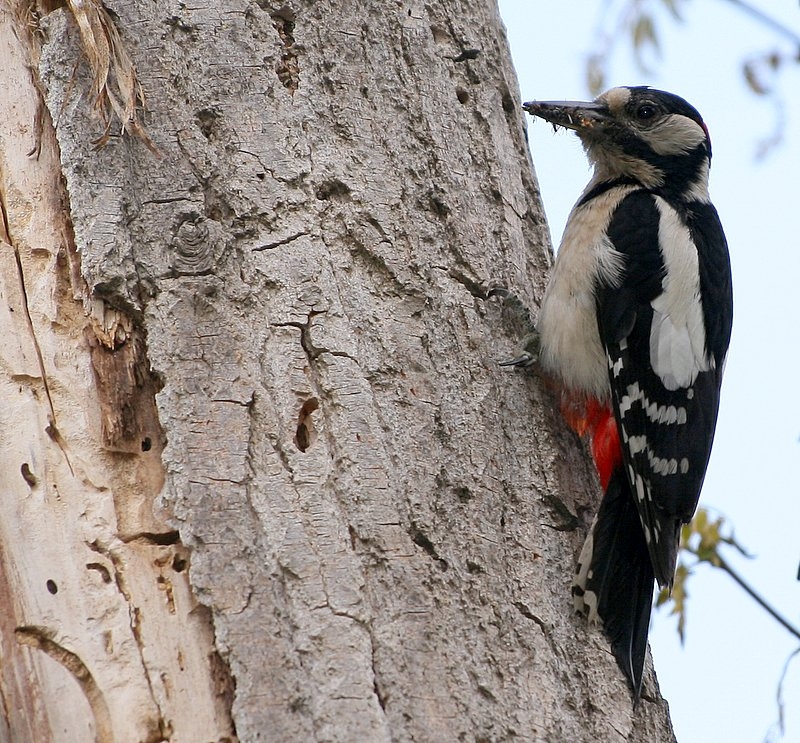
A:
646, 111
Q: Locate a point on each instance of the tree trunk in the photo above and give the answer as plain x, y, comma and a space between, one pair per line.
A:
263, 475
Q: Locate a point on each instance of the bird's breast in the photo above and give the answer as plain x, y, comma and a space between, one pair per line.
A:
567, 322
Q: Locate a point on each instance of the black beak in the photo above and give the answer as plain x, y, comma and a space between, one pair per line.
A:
576, 115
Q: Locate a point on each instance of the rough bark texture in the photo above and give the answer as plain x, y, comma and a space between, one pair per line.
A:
380, 522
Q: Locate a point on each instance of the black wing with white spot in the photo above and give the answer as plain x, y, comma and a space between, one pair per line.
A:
665, 376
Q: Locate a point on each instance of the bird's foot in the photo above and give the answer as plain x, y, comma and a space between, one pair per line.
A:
521, 315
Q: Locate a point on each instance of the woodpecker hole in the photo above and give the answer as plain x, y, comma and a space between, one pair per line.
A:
333, 190
462, 95
207, 120
101, 570
52, 587
179, 564
306, 432
288, 67
421, 539
27, 475
147, 444
474, 568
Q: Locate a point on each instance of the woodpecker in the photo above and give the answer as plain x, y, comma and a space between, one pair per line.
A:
634, 327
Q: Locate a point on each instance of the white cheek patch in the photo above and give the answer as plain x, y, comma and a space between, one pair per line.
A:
674, 135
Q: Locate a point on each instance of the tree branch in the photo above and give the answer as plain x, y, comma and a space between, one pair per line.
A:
766, 20
758, 599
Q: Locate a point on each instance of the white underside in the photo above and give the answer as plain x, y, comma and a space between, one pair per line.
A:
567, 323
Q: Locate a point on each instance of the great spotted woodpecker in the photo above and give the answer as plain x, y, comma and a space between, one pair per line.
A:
635, 325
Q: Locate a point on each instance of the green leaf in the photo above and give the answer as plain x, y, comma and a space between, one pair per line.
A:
677, 598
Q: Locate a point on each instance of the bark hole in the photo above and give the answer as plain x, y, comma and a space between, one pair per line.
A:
287, 67
207, 121
27, 475
333, 190
306, 432
421, 539
101, 569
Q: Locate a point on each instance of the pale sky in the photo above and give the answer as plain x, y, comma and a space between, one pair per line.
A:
722, 685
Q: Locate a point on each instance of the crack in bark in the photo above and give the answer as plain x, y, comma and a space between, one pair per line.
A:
306, 433
134, 615
52, 428
471, 285
166, 200
380, 695
162, 539
279, 243
312, 352
528, 614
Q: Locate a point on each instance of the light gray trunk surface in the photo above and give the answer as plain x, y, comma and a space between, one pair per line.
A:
263, 476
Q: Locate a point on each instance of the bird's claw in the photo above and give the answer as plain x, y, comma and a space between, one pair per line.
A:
522, 361
530, 343
529, 355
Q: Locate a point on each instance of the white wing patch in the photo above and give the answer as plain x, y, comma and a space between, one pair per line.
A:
677, 335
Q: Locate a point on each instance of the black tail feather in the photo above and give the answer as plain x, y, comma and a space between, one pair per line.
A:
615, 578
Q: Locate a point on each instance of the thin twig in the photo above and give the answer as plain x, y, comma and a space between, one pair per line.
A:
766, 20
779, 693
764, 605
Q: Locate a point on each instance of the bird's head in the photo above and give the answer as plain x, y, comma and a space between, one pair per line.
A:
638, 133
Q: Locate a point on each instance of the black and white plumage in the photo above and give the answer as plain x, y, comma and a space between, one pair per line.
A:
637, 320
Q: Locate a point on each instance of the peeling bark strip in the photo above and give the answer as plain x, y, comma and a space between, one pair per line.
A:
37, 637
90, 576
365, 494
126, 391
115, 91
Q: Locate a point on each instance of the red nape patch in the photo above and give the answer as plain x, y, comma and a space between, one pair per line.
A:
589, 417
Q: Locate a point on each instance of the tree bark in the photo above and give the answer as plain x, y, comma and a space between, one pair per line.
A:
263, 475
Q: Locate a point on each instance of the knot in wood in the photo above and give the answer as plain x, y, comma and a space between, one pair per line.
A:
193, 248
